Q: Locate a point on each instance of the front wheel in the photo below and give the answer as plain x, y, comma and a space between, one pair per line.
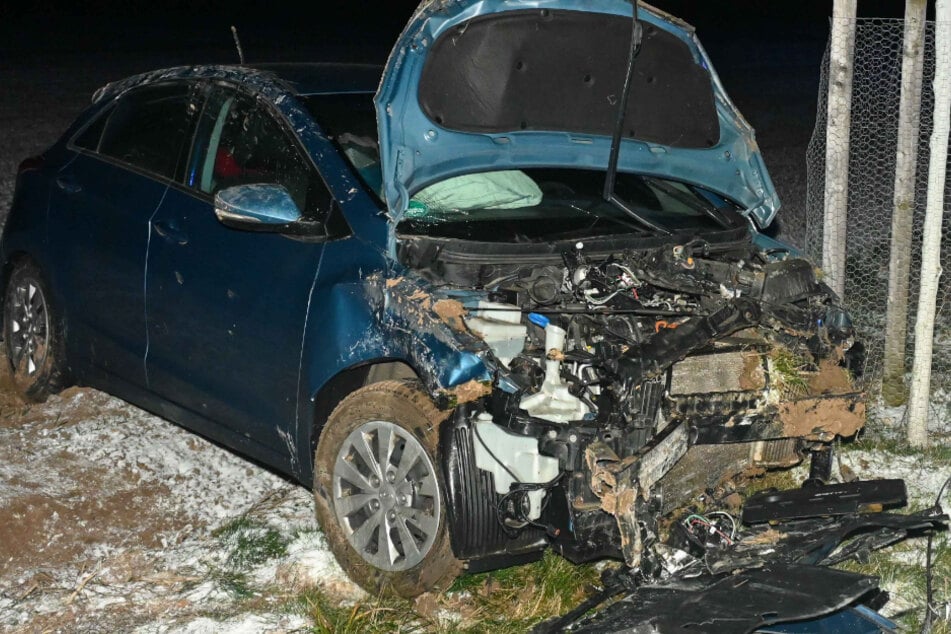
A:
33, 339
379, 490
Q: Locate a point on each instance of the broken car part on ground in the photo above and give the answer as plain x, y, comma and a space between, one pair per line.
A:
506, 298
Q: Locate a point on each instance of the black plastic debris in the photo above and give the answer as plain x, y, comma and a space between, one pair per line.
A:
770, 578
832, 499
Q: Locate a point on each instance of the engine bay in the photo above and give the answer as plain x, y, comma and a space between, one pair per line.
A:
626, 381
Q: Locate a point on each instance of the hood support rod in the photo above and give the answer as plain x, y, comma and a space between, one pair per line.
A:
611, 176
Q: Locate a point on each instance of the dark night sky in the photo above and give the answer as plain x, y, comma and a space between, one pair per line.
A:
767, 52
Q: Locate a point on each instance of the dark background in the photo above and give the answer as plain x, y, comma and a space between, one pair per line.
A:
53, 55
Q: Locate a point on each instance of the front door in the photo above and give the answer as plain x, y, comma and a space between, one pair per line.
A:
226, 309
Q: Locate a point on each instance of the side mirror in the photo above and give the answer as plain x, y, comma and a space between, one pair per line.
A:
262, 207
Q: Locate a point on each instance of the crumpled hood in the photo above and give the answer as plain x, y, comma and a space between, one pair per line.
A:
477, 85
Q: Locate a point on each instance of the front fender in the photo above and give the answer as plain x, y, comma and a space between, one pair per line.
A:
362, 314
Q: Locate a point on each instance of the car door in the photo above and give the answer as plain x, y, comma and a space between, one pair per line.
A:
100, 207
226, 308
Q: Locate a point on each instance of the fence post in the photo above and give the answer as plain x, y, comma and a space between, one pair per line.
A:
906, 162
837, 142
919, 398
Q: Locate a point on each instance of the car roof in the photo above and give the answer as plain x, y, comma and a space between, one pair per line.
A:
310, 78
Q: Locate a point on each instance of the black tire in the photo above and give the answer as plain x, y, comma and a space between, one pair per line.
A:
394, 404
32, 335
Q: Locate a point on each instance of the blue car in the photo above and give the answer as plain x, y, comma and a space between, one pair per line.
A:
508, 292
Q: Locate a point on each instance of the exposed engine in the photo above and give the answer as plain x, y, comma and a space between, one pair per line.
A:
616, 374
594, 339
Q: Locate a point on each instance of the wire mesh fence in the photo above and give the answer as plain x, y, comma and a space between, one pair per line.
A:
868, 225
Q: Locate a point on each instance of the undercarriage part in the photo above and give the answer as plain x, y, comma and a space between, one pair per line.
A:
834, 499
625, 486
761, 579
820, 466
733, 604
814, 541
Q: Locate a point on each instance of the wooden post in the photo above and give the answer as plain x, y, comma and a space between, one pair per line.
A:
909, 110
837, 142
919, 398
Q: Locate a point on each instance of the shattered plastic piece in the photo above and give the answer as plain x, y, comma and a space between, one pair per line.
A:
769, 577
733, 604
832, 499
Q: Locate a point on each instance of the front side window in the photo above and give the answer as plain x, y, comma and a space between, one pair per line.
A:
149, 128
247, 145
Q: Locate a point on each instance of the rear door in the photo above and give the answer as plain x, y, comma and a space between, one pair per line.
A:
226, 308
100, 208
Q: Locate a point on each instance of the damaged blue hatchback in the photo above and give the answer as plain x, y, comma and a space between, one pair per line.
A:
507, 293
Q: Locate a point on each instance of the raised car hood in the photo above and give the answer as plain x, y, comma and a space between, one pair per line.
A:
475, 85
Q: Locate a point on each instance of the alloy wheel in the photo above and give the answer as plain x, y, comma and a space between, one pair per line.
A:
29, 328
386, 495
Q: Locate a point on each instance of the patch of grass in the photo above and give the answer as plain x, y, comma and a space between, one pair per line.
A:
787, 371
514, 599
251, 543
248, 544
937, 452
233, 582
505, 601
380, 615
901, 569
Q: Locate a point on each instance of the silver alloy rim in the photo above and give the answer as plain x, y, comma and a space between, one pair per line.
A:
386, 495
29, 328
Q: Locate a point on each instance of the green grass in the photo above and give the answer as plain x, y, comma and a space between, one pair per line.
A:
374, 616
251, 543
906, 577
938, 452
248, 544
511, 600
787, 371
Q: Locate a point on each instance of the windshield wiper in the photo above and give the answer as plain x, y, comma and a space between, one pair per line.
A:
611, 176
696, 201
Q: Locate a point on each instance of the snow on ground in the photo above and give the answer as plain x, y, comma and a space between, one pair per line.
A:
116, 520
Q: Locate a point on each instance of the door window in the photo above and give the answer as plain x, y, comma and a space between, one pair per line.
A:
150, 128
247, 145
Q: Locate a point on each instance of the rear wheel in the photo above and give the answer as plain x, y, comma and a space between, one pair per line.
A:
33, 340
379, 490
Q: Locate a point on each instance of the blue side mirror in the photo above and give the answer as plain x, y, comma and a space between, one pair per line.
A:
256, 207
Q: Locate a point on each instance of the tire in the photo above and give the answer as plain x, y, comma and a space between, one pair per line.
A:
32, 335
355, 500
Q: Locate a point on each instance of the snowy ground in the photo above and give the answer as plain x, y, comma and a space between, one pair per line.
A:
115, 520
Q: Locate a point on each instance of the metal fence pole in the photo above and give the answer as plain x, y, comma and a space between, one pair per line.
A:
906, 162
919, 398
837, 143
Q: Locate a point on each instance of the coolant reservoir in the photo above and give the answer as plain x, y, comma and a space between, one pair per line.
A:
499, 325
553, 401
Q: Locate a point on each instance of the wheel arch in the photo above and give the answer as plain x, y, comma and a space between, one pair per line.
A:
341, 385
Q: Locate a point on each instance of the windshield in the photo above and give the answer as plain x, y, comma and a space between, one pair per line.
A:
527, 205
349, 120
540, 205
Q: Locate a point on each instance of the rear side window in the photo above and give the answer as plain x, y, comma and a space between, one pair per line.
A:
148, 129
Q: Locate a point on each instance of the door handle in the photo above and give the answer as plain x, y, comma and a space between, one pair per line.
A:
68, 184
170, 231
